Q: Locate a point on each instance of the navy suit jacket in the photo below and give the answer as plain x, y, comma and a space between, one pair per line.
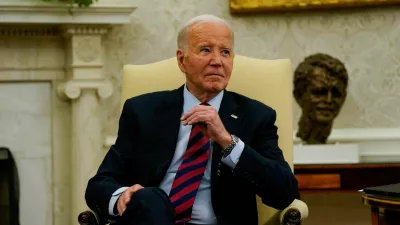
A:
147, 136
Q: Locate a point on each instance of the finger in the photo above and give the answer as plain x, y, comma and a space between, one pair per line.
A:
197, 108
132, 191
120, 205
119, 208
136, 187
121, 202
126, 201
123, 208
128, 193
195, 120
125, 197
189, 113
203, 118
198, 117
124, 204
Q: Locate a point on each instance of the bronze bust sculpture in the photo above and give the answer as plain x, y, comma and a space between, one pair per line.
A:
320, 84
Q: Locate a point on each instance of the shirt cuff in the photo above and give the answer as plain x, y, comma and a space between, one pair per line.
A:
233, 158
113, 200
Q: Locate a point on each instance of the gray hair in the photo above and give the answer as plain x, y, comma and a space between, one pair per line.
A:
182, 34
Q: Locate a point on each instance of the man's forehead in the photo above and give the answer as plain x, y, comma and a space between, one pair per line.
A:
324, 79
205, 43
212, 29
207, 25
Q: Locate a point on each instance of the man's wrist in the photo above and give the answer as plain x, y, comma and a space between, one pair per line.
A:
114, 201
228, 149
225, 141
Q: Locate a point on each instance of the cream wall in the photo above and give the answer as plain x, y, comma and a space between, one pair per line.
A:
367, 40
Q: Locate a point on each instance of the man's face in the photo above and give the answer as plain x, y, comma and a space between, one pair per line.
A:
324, 97
208, 59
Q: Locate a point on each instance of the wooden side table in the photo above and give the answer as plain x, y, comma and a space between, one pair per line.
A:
383, 211
345, 177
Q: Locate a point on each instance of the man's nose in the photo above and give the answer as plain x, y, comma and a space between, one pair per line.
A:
329, 97
216, 59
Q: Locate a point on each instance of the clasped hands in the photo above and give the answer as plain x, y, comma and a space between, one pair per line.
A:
210, 124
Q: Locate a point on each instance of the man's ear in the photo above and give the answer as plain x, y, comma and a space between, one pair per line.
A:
180, 57
298, 97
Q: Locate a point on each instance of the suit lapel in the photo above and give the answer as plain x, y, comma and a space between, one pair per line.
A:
167, 126
231, 115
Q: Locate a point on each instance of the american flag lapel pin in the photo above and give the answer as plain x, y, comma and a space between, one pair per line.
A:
234, 116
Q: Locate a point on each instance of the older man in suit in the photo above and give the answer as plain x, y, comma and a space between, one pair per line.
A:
198, 154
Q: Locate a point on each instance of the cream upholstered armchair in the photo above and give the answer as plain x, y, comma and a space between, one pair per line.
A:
268, 81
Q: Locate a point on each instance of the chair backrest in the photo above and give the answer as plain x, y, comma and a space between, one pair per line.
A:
268, 81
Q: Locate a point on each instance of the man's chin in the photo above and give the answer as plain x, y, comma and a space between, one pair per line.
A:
324, 119
324, 116
215, 87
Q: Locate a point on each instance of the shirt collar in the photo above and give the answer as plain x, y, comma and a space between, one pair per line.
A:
189, 100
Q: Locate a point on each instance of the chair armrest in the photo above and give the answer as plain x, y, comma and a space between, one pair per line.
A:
291, 215
294, 213
89, 217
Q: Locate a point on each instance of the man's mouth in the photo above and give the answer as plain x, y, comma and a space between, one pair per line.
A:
212, 74
325, 108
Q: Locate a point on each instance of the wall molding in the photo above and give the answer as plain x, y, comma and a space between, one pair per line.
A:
8, 75
18, 31
57, 13
73, 88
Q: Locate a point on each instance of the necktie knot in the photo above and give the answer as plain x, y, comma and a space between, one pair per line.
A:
205, 103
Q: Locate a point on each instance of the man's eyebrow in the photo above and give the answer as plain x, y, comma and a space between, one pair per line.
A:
204, 45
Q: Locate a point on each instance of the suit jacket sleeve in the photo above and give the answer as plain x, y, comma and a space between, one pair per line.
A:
111, 174
262, 164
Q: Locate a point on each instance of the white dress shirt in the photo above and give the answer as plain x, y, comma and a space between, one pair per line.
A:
202, 212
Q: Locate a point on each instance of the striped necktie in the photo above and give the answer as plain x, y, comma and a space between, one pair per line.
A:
188, 177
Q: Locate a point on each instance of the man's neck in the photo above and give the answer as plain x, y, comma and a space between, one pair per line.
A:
313, 132
201, 96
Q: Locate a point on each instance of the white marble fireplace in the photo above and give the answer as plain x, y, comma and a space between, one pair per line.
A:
51, 86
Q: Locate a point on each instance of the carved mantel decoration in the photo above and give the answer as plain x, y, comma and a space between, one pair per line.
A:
252, 6
85, 52
78, 85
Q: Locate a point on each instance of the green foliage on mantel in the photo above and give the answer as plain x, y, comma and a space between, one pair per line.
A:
80, 3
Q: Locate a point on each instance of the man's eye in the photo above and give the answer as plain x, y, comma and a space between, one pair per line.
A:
205, 50
319, 91
226, 52
336, 93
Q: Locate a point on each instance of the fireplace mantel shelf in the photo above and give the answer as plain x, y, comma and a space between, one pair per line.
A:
58, 14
